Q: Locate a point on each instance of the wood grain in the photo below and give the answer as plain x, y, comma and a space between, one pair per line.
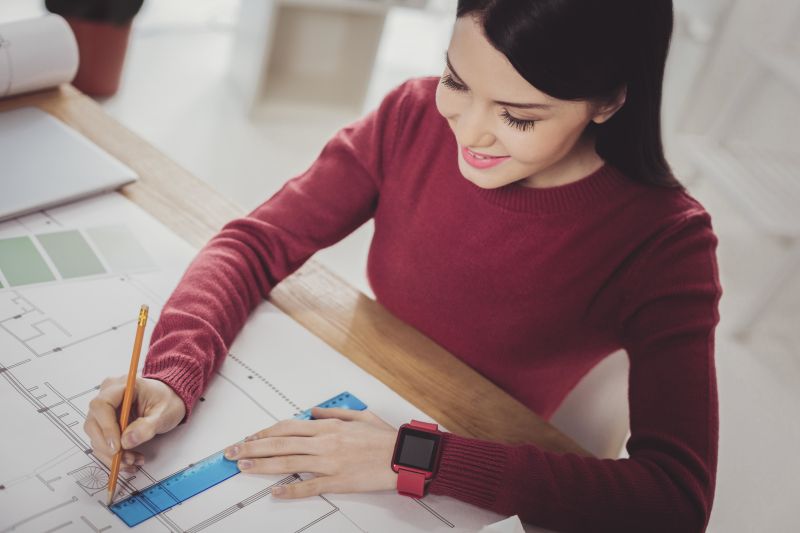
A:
358, 327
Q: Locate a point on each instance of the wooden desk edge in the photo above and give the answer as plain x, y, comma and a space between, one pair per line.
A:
330, 308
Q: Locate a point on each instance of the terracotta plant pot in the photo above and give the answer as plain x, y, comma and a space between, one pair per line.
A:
102, 47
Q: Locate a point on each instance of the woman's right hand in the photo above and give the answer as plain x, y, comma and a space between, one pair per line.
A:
156, 409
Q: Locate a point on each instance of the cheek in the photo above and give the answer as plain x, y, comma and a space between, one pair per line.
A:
547, 141
446, 102
525, 147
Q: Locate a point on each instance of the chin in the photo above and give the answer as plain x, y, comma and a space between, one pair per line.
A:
485, 179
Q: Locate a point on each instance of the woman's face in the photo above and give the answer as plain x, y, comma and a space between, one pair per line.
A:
506, 129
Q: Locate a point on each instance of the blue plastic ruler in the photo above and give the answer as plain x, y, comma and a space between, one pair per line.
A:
344, 400
199, 476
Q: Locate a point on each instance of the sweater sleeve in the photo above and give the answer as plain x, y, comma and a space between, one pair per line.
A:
249, 256
667, 321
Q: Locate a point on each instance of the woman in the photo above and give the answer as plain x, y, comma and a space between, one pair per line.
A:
526, 220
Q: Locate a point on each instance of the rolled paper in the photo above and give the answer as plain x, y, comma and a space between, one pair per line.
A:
36, 54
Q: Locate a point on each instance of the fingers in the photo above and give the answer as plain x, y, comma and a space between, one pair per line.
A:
297, 428
321, 413
349, 450
327, 421
131, 461
159, 410
158, 406
102, 425
103, 452
272, 446
348, 415
140, 431
100, 447
287, 464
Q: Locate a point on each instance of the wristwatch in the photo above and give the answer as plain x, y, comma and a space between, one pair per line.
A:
416, 456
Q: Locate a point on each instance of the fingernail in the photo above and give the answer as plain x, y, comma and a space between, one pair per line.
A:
128, 460
232, 452
277, 491
244, 464
131, 440
111, 444
139, 461
249, 438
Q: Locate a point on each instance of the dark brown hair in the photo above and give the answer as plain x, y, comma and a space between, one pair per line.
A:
590, 50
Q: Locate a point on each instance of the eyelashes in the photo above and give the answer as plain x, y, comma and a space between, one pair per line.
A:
450, 83
518, 123
514, 122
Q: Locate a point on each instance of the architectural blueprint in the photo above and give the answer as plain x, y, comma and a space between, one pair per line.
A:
71, 282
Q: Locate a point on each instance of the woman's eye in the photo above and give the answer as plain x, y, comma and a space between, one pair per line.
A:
520, 124
450, 83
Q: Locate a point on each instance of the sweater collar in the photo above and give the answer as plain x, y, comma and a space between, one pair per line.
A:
597, 186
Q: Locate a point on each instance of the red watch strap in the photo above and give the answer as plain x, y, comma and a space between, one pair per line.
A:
424, 425
410, 483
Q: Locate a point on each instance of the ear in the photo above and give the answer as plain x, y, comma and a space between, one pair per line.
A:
606, 110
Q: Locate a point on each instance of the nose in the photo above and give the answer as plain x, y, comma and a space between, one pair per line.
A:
471, 128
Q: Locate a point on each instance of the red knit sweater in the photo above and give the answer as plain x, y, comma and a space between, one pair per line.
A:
531, 287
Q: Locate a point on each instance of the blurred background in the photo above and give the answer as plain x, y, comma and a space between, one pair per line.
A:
229, 89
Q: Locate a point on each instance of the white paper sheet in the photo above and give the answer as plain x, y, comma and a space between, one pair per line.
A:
60, 338
36, 54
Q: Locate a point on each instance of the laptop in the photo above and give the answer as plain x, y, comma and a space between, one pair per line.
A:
44, 163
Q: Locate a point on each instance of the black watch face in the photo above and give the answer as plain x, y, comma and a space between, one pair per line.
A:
417, 449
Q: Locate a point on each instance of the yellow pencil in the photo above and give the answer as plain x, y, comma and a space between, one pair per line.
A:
127, 399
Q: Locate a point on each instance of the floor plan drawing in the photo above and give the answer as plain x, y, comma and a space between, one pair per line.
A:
70, 322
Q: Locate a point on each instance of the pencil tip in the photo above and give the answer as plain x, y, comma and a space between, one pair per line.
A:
109, 500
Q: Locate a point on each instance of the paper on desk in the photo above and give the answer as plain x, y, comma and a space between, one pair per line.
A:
511, 524
60, 336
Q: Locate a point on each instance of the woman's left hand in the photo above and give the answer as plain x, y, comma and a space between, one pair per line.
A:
349, 451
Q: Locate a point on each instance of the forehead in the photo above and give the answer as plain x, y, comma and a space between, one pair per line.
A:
485, 69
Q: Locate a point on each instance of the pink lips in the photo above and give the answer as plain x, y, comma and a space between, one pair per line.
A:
479, 160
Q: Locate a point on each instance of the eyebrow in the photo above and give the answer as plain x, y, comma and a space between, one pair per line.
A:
499, 102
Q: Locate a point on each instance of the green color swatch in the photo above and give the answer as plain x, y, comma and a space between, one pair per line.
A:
21, 262
71, 254
120, 249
